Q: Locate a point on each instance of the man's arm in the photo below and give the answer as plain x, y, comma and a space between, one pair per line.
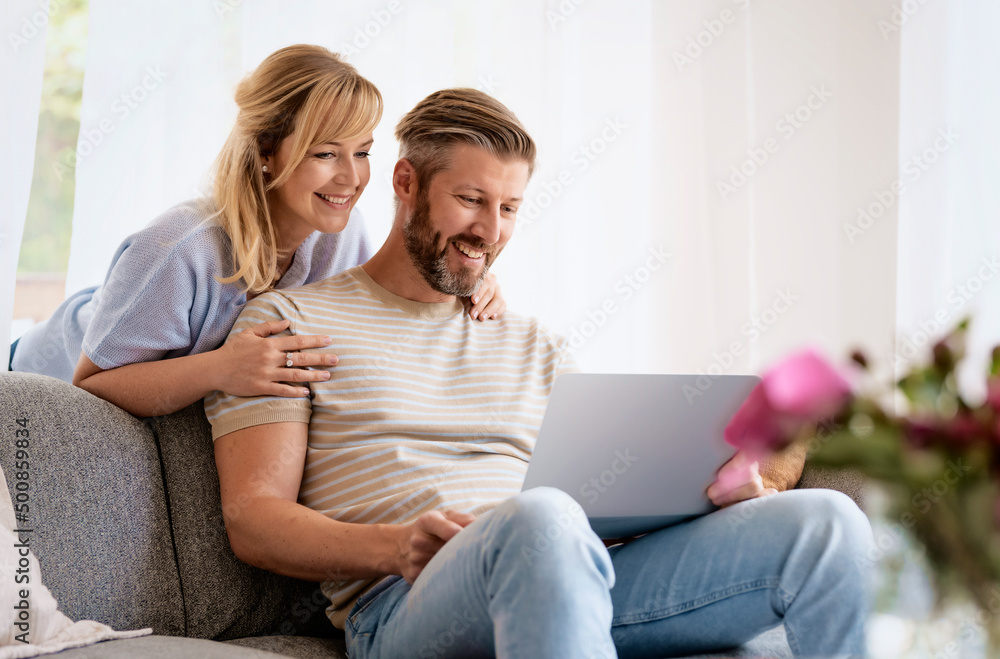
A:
744, 478
739, 479
260, 471
783, 470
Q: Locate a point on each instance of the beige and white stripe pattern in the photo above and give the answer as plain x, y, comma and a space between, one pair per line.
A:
427, 409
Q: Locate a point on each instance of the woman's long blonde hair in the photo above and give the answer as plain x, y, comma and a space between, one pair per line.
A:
303, 92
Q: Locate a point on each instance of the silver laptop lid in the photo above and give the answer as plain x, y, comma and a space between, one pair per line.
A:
636, 451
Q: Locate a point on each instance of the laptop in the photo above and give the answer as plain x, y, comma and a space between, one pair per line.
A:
636, 451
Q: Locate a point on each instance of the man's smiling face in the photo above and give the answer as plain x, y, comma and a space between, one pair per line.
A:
464, 218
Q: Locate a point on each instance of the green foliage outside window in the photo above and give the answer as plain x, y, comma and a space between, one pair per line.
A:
45, 247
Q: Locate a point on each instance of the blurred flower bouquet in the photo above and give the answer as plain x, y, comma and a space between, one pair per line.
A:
935, 454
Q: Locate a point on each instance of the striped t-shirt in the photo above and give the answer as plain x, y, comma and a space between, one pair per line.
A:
426, 409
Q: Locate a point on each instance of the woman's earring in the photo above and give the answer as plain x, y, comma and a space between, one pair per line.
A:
264, 169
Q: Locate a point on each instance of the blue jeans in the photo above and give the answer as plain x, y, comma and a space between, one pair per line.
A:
530, 579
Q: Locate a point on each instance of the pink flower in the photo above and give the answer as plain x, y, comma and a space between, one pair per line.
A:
964, 430
993, 393
921, 433
803, 388
958, 432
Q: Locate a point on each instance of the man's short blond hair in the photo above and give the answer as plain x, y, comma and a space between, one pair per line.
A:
448, 117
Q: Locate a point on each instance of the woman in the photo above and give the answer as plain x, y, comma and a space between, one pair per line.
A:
286, 183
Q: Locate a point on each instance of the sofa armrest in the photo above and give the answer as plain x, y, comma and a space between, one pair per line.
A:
224, 597
95, 503
849, 481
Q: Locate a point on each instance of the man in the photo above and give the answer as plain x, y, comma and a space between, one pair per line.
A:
398, 484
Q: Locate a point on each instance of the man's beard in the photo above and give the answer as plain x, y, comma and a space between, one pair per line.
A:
422, 245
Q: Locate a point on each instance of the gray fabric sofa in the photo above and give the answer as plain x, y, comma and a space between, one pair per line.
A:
127, 526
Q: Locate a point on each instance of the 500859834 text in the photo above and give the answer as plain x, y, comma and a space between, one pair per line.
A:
21, 501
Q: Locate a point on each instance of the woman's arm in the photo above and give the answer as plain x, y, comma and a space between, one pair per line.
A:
150, 388
249, 364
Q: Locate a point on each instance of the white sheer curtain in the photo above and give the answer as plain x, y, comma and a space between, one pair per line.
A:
768, 137
949, 230
628, 243
157, 106
23, 25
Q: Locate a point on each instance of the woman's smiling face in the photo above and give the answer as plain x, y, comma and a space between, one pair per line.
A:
321, 190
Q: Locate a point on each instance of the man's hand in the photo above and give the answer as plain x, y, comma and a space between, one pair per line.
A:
425, 537
738, 480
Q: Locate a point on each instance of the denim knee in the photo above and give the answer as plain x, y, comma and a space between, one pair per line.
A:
832, 524
547, 528
849, 527
835, 515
